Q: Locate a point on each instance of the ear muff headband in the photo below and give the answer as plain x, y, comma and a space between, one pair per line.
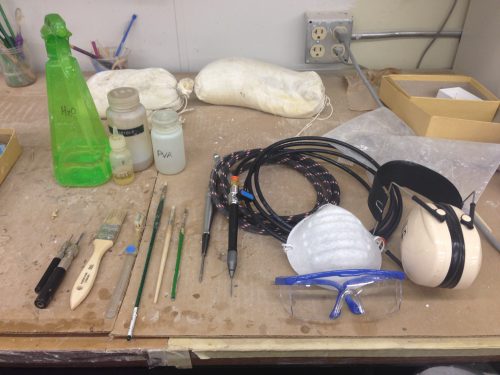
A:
457, 262
414, 176
433, 186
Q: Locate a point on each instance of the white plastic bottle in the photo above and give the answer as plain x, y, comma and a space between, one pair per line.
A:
129, 116
168, 142
120, 159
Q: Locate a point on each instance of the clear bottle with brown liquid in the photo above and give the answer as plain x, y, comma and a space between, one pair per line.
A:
120, 159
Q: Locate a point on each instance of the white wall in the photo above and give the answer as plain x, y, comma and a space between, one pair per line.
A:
184, 35
478, 54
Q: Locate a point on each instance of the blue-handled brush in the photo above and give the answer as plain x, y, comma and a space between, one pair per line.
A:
119, 49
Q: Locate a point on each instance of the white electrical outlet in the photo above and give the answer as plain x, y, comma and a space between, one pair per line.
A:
322, 46
319, 33
317, 51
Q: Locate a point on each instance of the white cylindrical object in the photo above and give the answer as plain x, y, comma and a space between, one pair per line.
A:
168, 142
129, 116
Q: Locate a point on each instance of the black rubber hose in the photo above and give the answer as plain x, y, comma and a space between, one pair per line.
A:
303, 154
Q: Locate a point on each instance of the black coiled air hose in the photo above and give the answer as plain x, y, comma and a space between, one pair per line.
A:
302, 154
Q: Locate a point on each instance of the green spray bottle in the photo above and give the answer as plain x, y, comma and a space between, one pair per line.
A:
80, 148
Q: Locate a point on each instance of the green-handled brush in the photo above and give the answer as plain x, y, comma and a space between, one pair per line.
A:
156, 225
180, 244
9, 41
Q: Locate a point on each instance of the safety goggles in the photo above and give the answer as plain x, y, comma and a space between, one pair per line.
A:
319, 297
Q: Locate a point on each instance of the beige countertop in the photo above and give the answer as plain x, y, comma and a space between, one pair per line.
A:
204, 323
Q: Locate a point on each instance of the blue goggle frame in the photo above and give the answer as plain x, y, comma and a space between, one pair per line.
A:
358, 277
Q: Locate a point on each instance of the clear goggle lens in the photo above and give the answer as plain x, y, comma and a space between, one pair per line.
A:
313, 303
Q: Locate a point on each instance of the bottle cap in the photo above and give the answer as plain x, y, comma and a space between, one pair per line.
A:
117, 140
165, 119
123, 98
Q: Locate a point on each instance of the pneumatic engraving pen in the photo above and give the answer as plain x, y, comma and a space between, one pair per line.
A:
207, 223
232, 244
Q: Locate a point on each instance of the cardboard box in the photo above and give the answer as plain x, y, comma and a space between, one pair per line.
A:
11, 153
412, 98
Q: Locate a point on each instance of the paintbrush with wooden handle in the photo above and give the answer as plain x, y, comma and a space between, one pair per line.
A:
103, 241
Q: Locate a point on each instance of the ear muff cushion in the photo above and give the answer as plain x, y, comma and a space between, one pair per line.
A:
457, 262
414, 176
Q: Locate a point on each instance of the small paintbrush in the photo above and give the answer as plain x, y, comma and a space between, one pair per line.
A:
166, 245
130, 255
156, 225
103, 241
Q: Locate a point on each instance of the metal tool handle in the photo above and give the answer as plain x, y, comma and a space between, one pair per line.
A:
121, 286
50, 287
207, 219
71, 254
53, 264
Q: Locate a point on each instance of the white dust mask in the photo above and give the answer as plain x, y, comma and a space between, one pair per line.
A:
332, 238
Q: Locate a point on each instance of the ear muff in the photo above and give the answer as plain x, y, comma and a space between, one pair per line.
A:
416, 177
439, 253
440, 247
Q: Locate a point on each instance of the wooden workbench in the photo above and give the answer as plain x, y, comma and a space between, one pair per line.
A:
203, 326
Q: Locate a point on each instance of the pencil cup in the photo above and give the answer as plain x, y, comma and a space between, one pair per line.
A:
108, 60
16, 66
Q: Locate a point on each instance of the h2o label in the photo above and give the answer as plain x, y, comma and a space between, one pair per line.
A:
68, 111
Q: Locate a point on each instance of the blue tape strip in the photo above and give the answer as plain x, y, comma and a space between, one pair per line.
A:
130, 249
247, 195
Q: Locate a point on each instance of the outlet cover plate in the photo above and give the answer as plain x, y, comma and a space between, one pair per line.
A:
316, 24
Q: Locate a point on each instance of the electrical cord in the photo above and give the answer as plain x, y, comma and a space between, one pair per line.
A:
445, 21
342, 35
303, 154
363, 77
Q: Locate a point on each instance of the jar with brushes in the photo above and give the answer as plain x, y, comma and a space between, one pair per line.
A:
129, 116
120, 159
168, 142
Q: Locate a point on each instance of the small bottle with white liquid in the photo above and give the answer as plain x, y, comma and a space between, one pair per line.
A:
168, 142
